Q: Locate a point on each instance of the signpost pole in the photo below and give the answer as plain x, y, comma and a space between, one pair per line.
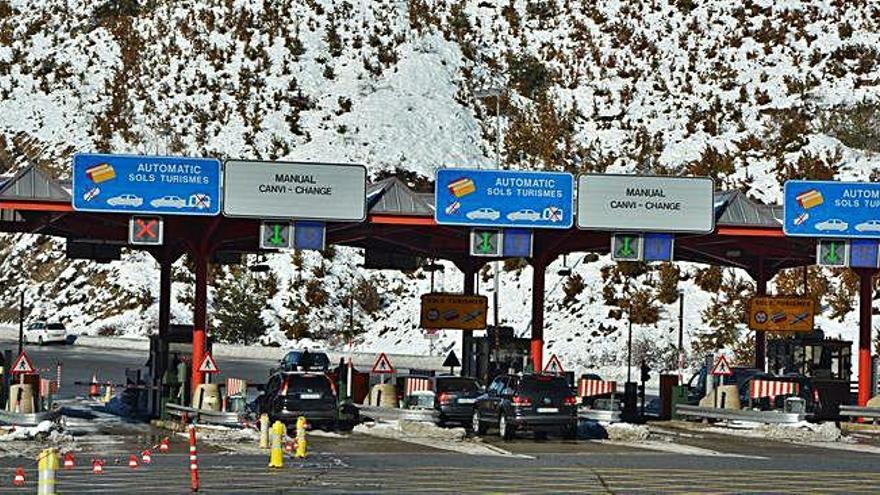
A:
629, 349
865, 306
760, 336
21, 323
681, 336
467, 337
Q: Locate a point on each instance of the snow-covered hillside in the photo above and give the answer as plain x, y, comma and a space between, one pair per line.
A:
750, 93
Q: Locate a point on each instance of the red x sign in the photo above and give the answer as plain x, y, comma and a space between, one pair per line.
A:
145, 230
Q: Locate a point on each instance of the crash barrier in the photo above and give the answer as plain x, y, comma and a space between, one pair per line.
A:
21, 399
602, 410
398, 414
712, 413
853, 412
187, 414
236, 395
592, 388
383, 395
416, 384
48, 462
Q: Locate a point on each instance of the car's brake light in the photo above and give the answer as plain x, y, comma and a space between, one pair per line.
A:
519, 400
284, 388
544, 378
570, 401
816, 395
445, 398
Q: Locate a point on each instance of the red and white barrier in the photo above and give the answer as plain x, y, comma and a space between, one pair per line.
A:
235, 386
771, 388
595, 388
416, 385
193, 460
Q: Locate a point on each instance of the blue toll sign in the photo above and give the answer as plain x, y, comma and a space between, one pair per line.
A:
516, 243
864, 253
146, 184
831, 209
503, 198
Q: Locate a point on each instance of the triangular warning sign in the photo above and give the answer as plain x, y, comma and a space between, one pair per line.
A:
722, 367
382, 365
554, 366
209, 365
22, 364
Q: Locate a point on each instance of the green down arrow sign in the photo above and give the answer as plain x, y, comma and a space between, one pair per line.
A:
276, 239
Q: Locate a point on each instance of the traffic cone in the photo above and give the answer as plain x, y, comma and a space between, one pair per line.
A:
93, 387
133, 461
19, 477
68, 461
164, 446
146, 456
98, 466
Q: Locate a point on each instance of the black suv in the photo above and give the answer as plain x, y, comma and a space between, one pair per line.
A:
289, 395
540, 403
455, 398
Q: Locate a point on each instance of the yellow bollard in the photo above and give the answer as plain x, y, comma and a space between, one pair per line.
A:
301, 442
264, 431
276, 455
47, 465
108, 393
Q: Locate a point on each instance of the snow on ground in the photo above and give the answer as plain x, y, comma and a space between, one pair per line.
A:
430, 435
802, 432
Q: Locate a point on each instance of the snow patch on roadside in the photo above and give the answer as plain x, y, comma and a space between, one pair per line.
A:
429, 435
677, 448
625, 432
801, 432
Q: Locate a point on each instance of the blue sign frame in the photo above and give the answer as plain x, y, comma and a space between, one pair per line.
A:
165, 185
517, 243
842, 210
504, 198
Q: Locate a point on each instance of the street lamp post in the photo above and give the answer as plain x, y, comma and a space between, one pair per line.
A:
495, 91
680, 335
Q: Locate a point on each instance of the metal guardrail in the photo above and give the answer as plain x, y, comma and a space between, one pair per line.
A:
397, 414
776, 417
206, 416
30, 419
860, 412
599, 414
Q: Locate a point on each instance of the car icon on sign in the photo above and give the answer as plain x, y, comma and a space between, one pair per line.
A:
869, 226
832, 224
125, 200
524, 214
168, 202
483, 214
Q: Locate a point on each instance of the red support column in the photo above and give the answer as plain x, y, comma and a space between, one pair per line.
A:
865, 307
537, 348
200, 306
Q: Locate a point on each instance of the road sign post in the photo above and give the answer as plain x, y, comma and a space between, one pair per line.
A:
164, 185
645, 203
486, 242
843, 210
145, 230
275, 235
504, 198
302, 191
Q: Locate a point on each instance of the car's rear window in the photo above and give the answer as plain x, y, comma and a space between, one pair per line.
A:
307, 385
544, 384
55, 326
456, 385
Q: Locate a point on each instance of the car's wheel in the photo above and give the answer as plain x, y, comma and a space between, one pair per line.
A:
477, 425
569, 432
540, 435
505, 429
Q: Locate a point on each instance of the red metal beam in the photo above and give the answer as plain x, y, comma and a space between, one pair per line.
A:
401, 220
35, 206
751, 231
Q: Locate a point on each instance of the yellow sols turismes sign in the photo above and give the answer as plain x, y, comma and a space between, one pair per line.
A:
454, 311
781, 314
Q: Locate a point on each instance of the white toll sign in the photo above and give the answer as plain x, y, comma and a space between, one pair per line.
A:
302, 191
645, 203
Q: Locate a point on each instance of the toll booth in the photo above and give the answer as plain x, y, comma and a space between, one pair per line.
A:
828, 362
166, 381
500, 352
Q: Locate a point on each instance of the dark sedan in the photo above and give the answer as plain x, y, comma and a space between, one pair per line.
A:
540, 403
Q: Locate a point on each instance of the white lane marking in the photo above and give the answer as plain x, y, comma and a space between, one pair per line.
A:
850, 447
675, 448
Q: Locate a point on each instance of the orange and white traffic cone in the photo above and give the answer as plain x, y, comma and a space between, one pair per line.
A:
18, 480
68, 461
98, 466
164, 446
133, 461
146, 456
93, 387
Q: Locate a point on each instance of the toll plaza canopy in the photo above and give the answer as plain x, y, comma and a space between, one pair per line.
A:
400, 222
